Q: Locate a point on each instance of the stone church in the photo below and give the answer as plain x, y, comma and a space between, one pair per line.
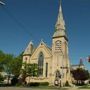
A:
53, 62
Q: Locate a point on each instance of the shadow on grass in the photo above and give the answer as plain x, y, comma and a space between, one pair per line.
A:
84, 87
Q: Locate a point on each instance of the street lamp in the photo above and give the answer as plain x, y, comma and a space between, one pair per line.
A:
2, 3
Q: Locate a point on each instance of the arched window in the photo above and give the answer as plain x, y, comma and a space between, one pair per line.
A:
40, 64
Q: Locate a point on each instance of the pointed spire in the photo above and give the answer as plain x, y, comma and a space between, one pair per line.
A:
60, 9
60, 24
29, 48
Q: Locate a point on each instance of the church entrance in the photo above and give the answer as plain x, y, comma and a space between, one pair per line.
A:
57, 78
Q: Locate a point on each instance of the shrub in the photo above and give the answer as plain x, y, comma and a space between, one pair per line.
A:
67, 83
1, 78
18, 84
38, 84
44, 84
14, 81
34, 84
89, 81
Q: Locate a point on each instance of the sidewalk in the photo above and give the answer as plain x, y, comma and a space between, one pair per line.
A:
71, 88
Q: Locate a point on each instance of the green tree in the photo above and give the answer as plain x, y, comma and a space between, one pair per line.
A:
5, 60
32, 69
29, 70
10, 64
15, 66
23, 72
2, 57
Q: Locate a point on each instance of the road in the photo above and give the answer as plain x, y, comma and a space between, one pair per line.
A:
24, 88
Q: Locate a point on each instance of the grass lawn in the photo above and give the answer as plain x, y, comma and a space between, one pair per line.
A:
48, 88
84, 87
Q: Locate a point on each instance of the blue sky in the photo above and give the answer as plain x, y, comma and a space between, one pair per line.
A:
25, 20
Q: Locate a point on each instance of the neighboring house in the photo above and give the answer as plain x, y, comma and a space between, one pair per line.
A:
75, 67
80, 65
4, 74
7, 77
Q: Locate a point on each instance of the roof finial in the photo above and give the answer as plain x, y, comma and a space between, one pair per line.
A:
60, 9
42, 40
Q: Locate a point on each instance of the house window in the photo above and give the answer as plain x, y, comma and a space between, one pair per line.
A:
40, 64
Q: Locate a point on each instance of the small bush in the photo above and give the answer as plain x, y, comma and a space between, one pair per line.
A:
44, 84
1, 78
14, 81
38, 84
67, 83
34, 84
18, 84
89, 81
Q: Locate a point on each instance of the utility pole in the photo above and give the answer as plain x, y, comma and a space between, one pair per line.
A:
2, 3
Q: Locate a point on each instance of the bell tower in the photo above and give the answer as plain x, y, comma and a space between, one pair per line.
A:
60, 57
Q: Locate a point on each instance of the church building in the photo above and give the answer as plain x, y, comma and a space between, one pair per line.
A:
53, 62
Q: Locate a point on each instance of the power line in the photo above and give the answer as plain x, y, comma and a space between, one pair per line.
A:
2, 3
20, 24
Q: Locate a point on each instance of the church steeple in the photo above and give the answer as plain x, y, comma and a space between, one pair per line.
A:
60, 24
60, 57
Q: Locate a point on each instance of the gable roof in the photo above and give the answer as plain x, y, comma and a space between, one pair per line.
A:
45, 47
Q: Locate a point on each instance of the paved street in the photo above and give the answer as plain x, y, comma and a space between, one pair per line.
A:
17, 88
22, 88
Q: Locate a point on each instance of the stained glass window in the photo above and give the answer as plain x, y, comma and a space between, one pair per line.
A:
40, 64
